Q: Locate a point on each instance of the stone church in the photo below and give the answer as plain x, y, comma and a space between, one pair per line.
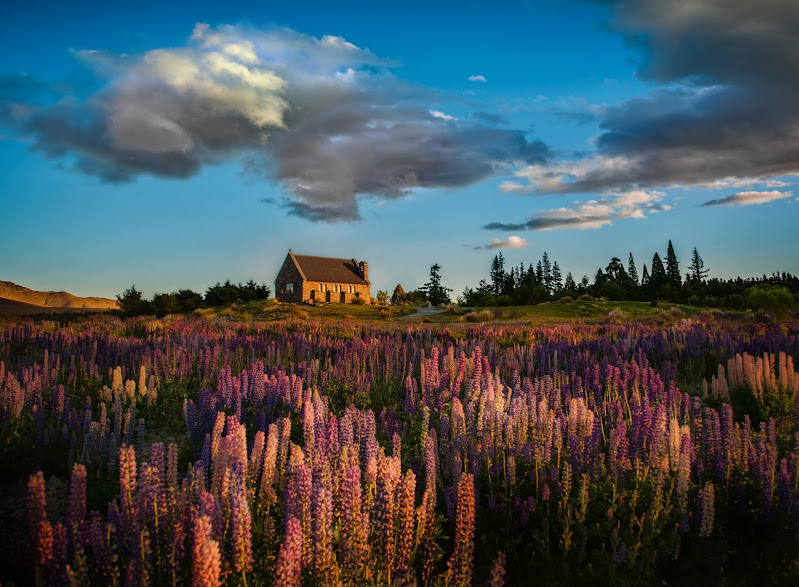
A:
304, 278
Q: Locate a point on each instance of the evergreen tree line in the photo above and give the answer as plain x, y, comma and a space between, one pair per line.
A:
131, 301
659, 281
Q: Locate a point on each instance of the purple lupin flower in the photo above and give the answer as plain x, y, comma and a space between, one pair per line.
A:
299, 485
76, 508
621, 554
325, 572
383, 516
288, 571
104, 558
206, 563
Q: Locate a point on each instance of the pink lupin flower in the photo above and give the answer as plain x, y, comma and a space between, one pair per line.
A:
406, 494
127, 480
266, 492
353, 538
496, 576
241, 523
288, 572
37, 506
461, 563
299, 485
44, 542
207, 563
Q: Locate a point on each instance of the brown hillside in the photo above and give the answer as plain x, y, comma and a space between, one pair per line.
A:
52, 299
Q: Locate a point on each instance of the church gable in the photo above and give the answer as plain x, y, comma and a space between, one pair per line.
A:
308, 278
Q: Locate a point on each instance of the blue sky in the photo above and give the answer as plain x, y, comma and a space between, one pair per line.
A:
174, 145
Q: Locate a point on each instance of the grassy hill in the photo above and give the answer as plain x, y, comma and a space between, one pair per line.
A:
583, 311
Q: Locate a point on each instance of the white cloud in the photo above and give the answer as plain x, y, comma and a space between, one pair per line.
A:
441, 115
741, 182
513, 242
749, 198
593, 213
477, 78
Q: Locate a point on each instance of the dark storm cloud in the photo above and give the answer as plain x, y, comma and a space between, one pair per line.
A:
324, 117
729, 111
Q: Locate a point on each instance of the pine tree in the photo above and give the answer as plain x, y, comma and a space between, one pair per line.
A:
539, 273
658, 278
569, 284
672, 267
645, 277
436, 293
547, 266
698, 272
557, 278
498, 276
632, 272
510, 282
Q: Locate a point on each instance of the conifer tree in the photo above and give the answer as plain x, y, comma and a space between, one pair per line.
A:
547, 267
569, 284
539, 273
436, 293
557, 278
498, 276
697, 267
658, 277
631, 270
673, 276
645, 277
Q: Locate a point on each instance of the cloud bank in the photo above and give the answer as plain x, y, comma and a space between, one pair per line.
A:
749, 198
728, 72
324, 117
591, 214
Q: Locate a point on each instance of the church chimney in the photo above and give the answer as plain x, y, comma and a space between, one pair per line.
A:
364, 267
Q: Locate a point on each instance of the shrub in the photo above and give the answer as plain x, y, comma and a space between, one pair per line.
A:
616, 316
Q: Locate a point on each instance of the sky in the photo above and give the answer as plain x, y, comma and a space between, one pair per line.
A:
176, 145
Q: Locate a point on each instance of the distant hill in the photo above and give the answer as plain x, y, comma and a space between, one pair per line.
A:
46, 300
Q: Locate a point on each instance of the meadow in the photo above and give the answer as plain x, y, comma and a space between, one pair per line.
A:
561, 444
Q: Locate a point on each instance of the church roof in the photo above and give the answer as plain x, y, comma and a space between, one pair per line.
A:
328, 269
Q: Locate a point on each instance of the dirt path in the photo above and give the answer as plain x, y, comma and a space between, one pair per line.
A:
426, 311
